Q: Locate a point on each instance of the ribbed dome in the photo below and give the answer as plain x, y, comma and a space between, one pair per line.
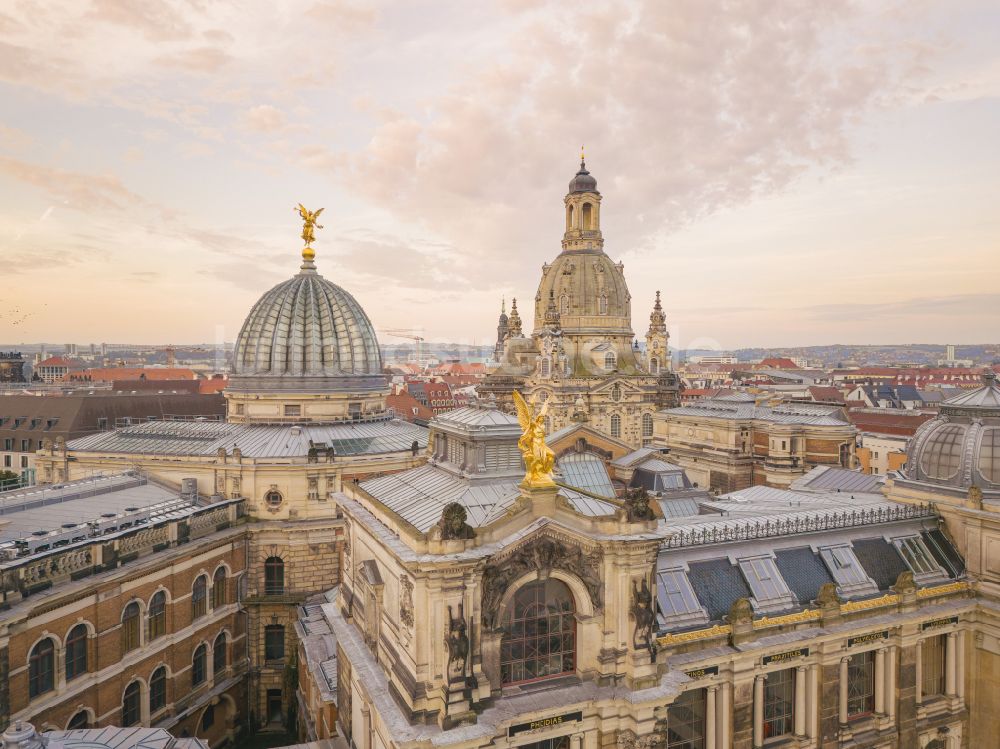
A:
960, 448
589, 291
307, 327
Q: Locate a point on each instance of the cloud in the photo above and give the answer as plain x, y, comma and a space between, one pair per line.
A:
197, 60
265, 119
686, 108
80, 191
155, 20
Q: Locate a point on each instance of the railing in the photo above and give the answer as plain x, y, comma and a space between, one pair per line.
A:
718, 534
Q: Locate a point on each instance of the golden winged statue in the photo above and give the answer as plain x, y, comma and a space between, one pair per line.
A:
309, 223
539, 459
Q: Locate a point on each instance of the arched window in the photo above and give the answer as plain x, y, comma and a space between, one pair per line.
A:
616, 393
208, 718
602, 305
569, 217
130, 627
654, 365
158, 689
219, 588
199, 597
42, 668
199, 665
564, 305
131, 705
219, 654
539, 633
588, 216
647, 425
616, 425
157, 615
545, 366
79, 720
76, 652
274, 576
610, 360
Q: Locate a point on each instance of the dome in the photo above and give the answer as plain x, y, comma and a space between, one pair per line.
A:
589, 292
960, 448
583, 181
307, 334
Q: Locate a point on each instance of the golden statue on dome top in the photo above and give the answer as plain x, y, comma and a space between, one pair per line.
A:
539, 460
309, 226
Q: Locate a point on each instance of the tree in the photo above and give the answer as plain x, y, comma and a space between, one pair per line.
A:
9, 480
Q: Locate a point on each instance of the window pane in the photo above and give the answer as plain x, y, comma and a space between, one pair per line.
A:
861, 684
539, 633
779, 700
686, 721
932, 666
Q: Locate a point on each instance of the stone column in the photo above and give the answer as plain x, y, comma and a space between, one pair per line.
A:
576, 741
919, 650
710, 717
880, 681
724, 716
843, 690
813, 701
800, 701
960, 665
950, 665
890, 683
758, 712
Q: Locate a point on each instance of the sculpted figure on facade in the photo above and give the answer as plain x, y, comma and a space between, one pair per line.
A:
457, 642
453, 523
541, 554
642, 613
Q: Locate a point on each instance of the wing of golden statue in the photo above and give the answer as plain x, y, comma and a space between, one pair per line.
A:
523, 411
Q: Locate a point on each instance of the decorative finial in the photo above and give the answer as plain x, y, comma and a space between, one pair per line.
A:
503, 305
583, 158
308, 234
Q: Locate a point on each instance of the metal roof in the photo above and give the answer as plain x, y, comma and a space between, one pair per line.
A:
254, 440
785, 413
586, 471
832, 478
75, 504
634, 457
478, 417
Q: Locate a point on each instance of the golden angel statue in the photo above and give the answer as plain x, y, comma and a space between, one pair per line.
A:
539, 459
309, 223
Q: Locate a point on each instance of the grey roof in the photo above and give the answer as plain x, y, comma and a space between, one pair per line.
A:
121, 738
833, 478
636, 456
988, 396
880, 560
658, 465
804, 572
718, 584
60, 509
472, 416
679, 507
307, 327
785, 413
419, 495
586, 471
255, 440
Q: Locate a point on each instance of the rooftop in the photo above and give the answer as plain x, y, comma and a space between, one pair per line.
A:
255, 440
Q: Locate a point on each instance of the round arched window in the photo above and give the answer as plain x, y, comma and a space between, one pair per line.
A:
539, 633
273, 498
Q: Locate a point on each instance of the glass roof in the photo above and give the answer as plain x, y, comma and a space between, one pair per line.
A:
587, 472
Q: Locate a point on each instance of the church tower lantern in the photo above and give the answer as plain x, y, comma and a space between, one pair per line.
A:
583, 212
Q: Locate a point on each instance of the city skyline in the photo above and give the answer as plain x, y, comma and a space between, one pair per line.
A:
827, 180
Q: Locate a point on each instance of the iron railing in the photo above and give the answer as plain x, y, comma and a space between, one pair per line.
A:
748, 531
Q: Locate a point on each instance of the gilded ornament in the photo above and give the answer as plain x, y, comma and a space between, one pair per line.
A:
942, 590
717, 630
309, 226
872, 603
539, 459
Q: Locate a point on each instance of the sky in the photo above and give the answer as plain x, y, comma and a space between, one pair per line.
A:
786, 173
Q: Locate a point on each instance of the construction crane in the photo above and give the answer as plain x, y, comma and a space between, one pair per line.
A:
412, 335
